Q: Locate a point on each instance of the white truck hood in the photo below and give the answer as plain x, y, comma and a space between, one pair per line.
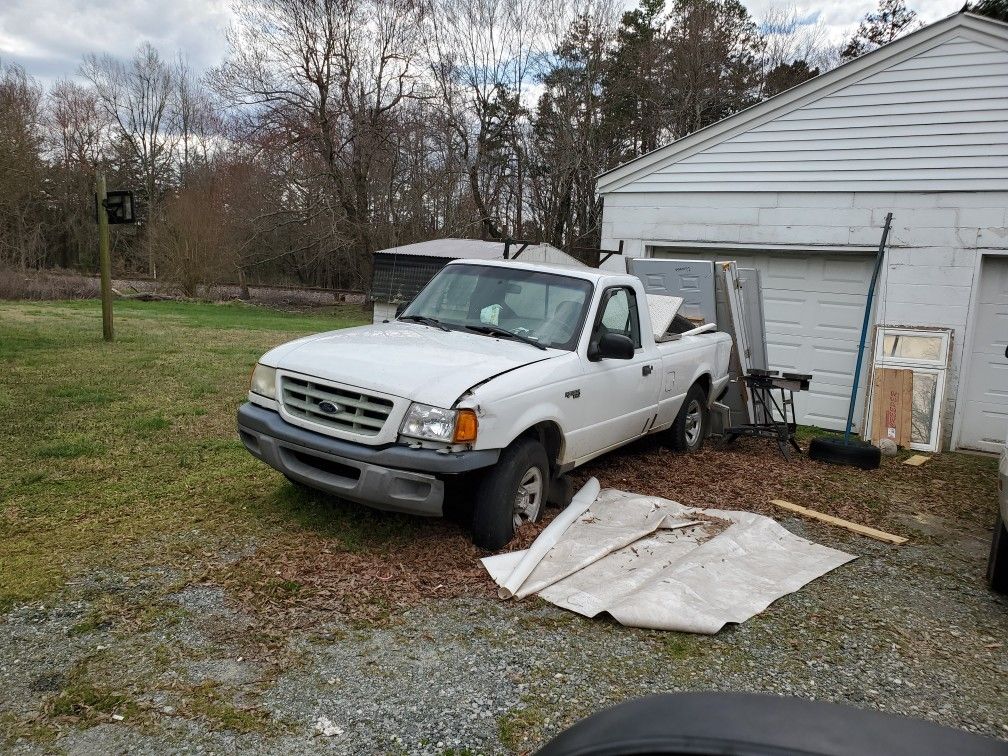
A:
409, 360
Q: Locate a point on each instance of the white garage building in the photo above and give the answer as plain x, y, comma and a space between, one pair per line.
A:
798, 187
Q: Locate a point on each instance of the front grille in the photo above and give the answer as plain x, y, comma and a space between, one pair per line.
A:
356, 412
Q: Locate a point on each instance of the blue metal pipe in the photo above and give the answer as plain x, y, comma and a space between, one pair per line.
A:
864, 328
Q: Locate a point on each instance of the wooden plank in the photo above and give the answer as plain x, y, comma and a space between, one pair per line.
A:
916, 460
864, 530
891, 405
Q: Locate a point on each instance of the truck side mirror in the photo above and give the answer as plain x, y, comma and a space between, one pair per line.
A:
611, 346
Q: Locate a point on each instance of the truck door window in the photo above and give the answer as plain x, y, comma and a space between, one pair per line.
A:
620, 315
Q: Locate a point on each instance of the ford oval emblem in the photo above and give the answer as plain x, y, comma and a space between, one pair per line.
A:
328, 407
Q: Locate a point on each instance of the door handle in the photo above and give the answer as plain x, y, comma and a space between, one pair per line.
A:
646, 370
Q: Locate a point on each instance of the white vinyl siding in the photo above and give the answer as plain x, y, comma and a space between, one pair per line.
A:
936, 121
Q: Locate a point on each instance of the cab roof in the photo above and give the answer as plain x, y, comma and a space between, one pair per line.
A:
585, 273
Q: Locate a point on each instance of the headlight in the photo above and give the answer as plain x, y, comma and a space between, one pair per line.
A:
263, 381
435, 424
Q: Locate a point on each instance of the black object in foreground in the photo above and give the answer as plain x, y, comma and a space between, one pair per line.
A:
839, 452
759, 725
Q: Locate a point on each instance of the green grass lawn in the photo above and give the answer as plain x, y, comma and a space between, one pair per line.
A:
126, 453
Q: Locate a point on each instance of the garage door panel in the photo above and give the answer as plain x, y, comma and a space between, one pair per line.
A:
842, 318
985, 412
986, 422
813, 306
994, 389
824, 408
784, 273
803, 314
991, 329
832, 362
845, 270
823, 275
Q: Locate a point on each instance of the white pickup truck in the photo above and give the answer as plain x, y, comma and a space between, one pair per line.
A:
501, 374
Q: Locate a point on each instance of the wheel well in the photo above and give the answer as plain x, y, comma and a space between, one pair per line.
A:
704, 381
550, 436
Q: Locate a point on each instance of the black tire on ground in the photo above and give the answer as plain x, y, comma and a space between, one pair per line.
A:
493, 523
691, 425
855, 453
997, 565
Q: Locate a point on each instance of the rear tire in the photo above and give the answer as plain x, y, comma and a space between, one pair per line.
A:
997, 565
510, 494
855, 453
690, 427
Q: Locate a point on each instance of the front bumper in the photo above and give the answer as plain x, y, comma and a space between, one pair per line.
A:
394, 478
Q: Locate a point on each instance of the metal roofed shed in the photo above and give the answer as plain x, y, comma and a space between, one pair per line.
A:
399, 273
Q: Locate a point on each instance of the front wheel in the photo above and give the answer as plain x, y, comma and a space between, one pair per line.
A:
511, 493
690, 426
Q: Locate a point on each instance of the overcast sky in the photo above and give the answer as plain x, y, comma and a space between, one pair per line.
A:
48, 37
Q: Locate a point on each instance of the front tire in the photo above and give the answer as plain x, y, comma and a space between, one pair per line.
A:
690, 426
512, 493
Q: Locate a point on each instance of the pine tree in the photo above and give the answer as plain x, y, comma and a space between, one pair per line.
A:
996, 9
889, 22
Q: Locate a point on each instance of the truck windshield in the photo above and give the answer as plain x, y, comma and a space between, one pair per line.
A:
547, 308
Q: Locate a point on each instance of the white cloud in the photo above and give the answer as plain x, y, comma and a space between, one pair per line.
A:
841, 17
48, 37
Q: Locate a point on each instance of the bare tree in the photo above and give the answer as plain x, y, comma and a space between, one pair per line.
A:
21, 168
77, 134
327, 75
482, 55
194, 120
136, 97
193, 238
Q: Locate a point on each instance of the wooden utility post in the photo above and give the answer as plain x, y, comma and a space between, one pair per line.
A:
104, 259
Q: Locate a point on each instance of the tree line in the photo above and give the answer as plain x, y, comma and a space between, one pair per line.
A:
334, 128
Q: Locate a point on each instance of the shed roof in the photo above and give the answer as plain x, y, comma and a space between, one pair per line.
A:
478, 249
926, 112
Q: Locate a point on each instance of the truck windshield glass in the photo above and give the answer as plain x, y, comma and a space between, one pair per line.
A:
548, 308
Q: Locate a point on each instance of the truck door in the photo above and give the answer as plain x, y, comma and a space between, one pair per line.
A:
618, 398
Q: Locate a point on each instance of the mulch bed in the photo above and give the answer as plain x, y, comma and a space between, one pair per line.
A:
302, 578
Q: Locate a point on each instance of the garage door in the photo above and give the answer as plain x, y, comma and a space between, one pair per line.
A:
985, 413
813, 308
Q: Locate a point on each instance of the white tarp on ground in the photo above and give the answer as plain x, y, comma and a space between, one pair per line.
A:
650, 562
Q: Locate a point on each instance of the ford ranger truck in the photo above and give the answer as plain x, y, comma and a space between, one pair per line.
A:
504, 374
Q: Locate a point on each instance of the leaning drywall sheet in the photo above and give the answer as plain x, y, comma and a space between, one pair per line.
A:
650, 562
662, 310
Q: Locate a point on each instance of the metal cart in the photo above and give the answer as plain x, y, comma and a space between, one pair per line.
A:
772, 395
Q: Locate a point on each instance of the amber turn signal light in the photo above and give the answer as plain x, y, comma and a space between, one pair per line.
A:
465, 427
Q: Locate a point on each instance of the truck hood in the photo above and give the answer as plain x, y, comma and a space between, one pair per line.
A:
409, 360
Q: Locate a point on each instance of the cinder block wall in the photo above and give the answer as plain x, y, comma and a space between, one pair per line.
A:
932, 259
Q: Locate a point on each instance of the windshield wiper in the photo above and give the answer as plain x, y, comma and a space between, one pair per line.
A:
492, 330
425, 321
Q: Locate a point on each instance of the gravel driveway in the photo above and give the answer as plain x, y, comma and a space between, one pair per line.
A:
183, 668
